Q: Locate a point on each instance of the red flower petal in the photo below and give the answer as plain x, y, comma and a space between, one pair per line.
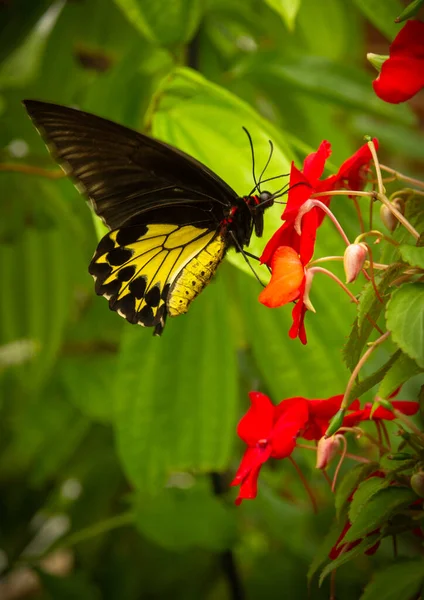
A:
298, 316
352, 172
399, 79
292, 415
314, 164
402, 75
248, 472
286, 279
258, 421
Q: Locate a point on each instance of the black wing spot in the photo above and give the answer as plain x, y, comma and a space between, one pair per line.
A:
99, 270
129, 235
109, 289
126, 306
152, 297
146, 316
165, 291
119, 256
126, 273
138, 287
105, 245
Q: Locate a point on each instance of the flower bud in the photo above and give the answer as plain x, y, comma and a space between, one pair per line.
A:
353, 260
327, 450
386, 215
417, 483
376, 60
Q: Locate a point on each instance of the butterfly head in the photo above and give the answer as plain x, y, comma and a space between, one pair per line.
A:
257, 206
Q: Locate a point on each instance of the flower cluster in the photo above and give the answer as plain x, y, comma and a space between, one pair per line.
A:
292, 246
271, 431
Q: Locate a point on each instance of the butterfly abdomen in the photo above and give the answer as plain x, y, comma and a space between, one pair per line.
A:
195, 276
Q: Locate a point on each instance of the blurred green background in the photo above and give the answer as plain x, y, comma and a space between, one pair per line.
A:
121, 442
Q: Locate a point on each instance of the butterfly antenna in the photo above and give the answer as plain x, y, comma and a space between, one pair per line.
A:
271, 145
253, 159
245, 256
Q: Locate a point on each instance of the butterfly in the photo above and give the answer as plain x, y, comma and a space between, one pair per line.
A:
171, 218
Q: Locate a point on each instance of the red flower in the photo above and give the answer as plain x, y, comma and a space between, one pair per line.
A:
321, 411
287, 253
340, 547
402, 74
270, 432
364, 414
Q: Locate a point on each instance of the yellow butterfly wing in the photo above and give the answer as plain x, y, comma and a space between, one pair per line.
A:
151, 270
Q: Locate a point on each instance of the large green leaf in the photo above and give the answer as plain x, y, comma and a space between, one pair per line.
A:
405, 320
375, 513
400, 580
184, 518
326, 79
287, 9
382, 14
206, 121
176, 396
161, 21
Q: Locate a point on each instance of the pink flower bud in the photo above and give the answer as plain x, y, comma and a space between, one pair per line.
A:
386, 215
327, 450
353, 260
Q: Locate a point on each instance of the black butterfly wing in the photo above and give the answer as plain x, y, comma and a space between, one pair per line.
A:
165, 210
125, 173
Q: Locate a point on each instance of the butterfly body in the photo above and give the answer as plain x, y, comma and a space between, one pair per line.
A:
171, 218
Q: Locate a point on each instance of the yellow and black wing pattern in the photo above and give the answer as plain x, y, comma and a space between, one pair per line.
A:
171, 218
149, 271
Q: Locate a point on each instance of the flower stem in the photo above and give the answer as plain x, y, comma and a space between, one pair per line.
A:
373, 151
88, 533
377, 234
305, 484
403, 177
32, 170
336, 279
408, 422
331, 216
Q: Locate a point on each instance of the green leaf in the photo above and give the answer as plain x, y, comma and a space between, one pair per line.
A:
287, 9
383, 505
405, 320
369, 310
364, 492
178, 519
369, 382
176, 396
17, 20
410, 11
345, 557
402, 580
328, 542
280, 358
163, 22
413, 255
402, 370
206, 121
324, 79
369, 304
91, 373
22, 66
350, 482
382, 14
73, 587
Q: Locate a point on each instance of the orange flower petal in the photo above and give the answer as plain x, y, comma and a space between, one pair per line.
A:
287, 276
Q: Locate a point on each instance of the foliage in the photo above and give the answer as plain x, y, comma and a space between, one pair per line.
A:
118, 448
